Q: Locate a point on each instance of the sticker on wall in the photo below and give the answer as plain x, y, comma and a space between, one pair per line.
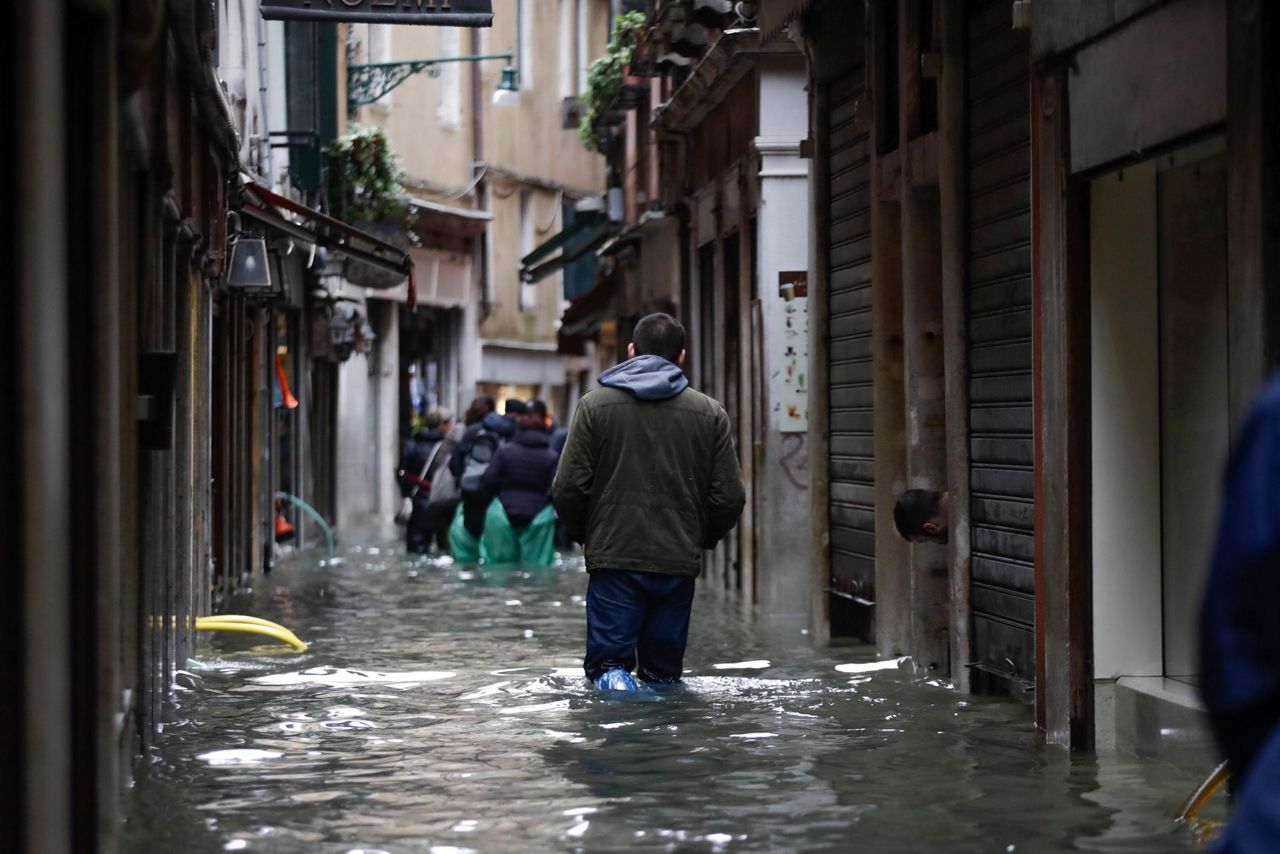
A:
790, 384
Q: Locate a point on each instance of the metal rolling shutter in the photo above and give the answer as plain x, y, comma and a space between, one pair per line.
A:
853, 533
1001, 474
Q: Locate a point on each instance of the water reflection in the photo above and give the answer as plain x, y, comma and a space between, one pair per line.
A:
443, 707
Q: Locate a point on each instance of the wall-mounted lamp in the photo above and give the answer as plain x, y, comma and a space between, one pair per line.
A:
508, 92
367, 83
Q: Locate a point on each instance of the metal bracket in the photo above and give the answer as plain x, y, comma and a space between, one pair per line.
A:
369, 82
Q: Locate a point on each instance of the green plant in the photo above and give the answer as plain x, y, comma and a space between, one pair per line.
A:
604, 75
365, 178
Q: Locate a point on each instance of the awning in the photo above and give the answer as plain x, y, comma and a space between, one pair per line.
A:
649, 221
585, 314
264, 206
775, 15
588, 231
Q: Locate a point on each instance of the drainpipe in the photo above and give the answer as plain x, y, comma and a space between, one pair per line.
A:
264, 141
482, 189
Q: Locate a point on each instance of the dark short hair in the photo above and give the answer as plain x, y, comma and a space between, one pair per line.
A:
914, 508
515, 406
659, 335
538, 408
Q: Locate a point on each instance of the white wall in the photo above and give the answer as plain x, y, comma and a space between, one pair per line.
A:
368, 444
1125, 425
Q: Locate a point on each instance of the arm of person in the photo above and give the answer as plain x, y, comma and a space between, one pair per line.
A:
726, 497
458, 459
492, 479
571, 489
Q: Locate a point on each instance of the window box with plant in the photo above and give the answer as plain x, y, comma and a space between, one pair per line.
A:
365, 189
606, 77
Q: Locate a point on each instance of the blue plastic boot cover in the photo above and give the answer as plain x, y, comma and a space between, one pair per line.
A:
617, 679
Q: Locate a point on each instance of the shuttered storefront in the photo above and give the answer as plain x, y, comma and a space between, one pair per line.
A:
849, 349
1001, 475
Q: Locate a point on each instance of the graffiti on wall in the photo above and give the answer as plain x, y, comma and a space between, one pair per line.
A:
790, 381
794, 461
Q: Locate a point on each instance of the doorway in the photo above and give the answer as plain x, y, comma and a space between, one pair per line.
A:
1160, 428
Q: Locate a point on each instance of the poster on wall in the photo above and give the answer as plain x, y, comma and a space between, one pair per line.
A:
790, 381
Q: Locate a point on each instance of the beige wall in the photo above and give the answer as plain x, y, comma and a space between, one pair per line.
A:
525, 146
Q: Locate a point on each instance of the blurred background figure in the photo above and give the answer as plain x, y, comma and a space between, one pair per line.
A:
1240, 630
425, 455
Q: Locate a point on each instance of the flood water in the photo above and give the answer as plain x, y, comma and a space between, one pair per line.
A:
442, 708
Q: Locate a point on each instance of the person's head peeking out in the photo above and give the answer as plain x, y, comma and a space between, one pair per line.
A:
921, 516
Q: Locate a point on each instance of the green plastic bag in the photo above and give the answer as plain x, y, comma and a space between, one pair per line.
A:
534, 546
465, 548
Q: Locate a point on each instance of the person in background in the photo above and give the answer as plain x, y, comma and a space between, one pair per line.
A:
425, 454
1240, 630
921, 515
648, 479
471, 459
558, 432
557, 436
520, 478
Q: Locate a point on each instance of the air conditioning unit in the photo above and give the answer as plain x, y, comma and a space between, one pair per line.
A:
571, 111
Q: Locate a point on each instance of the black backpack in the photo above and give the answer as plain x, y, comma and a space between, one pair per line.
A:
483, 447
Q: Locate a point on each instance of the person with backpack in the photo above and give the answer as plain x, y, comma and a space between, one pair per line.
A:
468, 465
424, 455
520, 523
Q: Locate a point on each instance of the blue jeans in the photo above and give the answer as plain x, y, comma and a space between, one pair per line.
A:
637, 618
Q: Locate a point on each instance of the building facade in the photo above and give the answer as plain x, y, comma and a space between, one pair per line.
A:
1043, 282
490, 178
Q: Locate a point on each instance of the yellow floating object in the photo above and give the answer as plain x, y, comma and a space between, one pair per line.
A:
1191, 807
1204, 829
250, 625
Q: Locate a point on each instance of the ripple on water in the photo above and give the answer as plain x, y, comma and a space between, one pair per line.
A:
424, 719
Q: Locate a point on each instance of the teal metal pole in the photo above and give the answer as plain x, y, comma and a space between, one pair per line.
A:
313, 513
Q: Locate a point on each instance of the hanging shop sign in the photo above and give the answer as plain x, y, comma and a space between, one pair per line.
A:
431, 13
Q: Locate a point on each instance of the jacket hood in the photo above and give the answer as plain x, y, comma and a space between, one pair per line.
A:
647, 378
500, 424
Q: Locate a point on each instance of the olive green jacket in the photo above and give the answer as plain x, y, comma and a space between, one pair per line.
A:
648, 484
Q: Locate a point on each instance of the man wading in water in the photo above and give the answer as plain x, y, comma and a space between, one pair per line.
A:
648, 479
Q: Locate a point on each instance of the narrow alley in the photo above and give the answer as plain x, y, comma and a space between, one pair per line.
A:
545, 425
442, 708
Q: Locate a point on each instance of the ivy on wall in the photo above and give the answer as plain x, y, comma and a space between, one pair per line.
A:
365, 178
605, 75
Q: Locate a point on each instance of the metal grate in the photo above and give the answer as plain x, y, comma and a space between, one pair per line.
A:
849, 347
1001, 472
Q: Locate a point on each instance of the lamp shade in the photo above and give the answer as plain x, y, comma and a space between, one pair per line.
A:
249, 270
508, 92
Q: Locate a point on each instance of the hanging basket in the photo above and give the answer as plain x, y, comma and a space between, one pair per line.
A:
368, 275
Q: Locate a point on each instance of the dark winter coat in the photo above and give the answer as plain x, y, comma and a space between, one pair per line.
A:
521, 474
649, 476
412, 458
415, 453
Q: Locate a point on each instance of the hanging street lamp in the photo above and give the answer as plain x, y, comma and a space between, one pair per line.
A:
368, 82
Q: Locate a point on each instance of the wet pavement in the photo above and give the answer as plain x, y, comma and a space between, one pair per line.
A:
442, 708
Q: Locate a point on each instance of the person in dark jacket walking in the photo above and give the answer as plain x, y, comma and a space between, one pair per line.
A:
426, 523
1240, 632
521, 472
519, 525
648, 479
